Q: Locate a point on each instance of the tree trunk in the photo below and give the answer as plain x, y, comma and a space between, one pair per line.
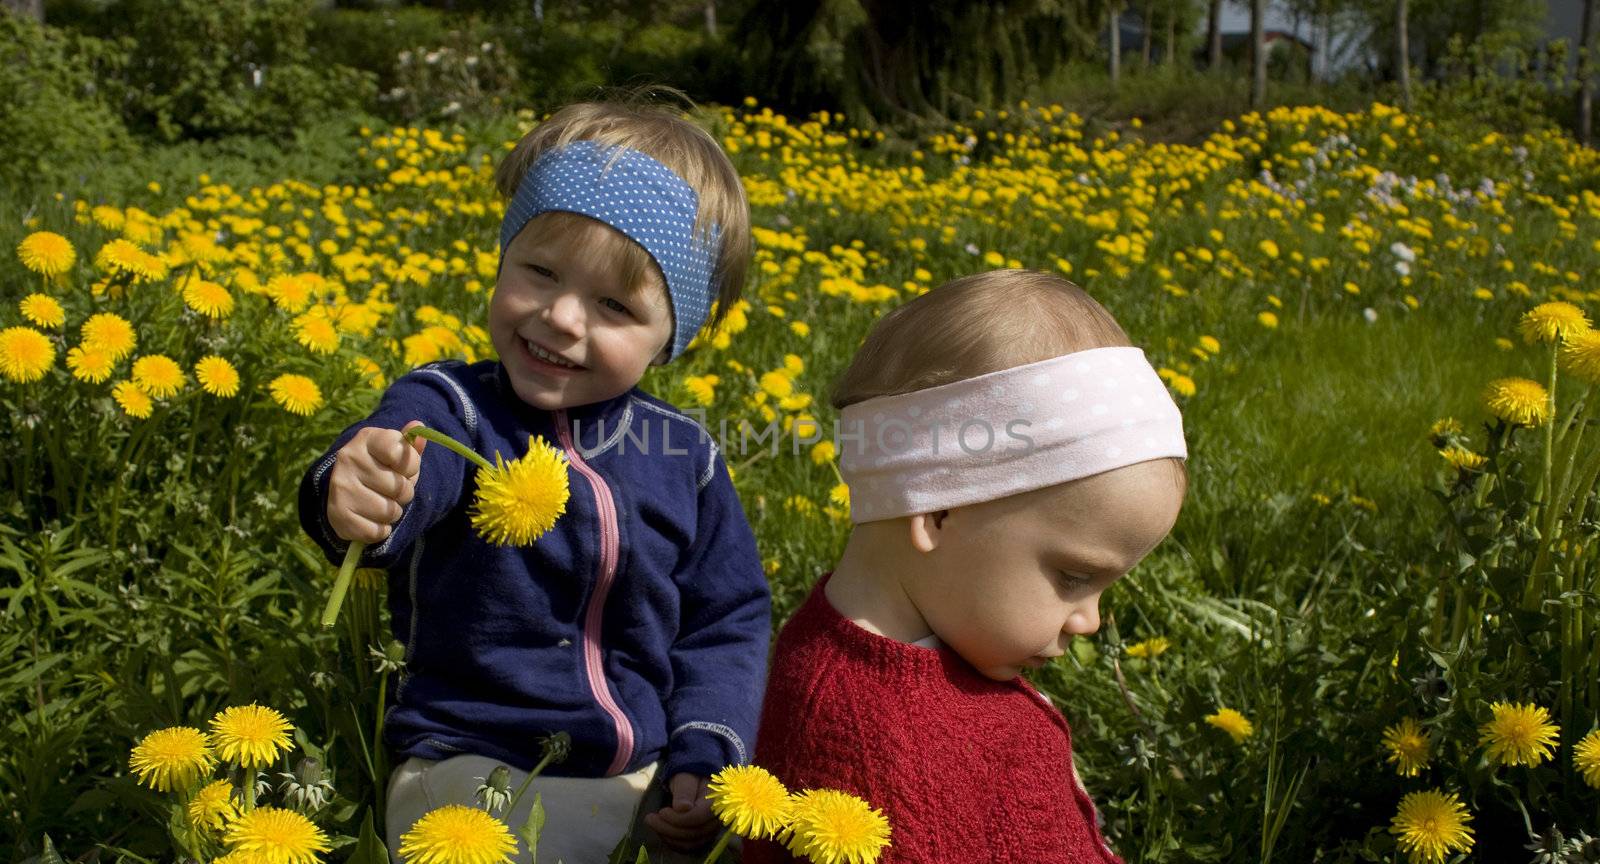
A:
1586, 74
1116, 42
1172, 36
1258, 55
1402, 50
711, 18
26, 8
1214, 36
1146, 16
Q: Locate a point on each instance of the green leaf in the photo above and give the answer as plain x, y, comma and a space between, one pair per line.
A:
642, 858
49, 855
369, 848
529, 832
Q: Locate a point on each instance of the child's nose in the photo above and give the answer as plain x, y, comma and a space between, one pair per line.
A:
565, 314
1084, 619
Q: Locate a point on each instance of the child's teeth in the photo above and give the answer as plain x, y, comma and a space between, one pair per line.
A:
545, 355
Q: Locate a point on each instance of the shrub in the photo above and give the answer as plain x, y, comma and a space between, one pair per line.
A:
58, 116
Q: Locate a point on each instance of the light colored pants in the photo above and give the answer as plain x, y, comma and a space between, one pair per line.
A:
585, 817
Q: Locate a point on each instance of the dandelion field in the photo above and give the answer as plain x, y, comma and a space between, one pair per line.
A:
1374, 634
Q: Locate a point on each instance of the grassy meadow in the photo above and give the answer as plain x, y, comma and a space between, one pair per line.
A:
1384, 572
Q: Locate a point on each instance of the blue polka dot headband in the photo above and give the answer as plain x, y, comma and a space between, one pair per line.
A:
638, 196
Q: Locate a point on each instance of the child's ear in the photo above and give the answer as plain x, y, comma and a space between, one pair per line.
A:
927, 530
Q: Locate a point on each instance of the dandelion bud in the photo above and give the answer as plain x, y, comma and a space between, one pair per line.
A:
495, 793
391, 659
557, 747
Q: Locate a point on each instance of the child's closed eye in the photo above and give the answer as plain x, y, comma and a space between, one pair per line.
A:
1069, 580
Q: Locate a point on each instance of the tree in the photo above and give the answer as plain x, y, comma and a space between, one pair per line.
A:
1258, 55
1214, 36
886, 59
1115, 69
1402, 54
26, 8
1585, 72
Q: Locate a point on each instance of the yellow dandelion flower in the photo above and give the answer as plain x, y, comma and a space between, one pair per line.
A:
170, 760
1268, 320
1444, 427
702, 388
750, 801
1182, 385
111, 333
208, 298
840, 495
90, 365
833, 827
1552, 322
297, 394
457, 834
250, 736
1517, 400
25, 354
1586, 758
158, 375
777, 383
108, 217
1408, 747
823, 452
237, 856
518, 501
131, 399
271, 835
1233, 723
370, 368
316, 332
1268, 248
1463, 459
1149, 648
1580, 355
47, 253
123, 257
291, 293
1431, 825
1519, 734
43, 311
213, 805
217, 376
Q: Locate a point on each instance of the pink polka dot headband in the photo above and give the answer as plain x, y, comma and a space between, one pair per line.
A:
1006, 432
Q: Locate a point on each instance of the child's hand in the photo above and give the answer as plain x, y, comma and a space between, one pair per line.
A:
687, 823
373, 478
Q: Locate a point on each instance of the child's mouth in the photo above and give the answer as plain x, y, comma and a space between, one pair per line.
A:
546, 361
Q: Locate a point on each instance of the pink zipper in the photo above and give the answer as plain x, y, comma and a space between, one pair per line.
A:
609, 542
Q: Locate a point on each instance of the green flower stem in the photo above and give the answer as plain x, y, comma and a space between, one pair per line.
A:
1542, 492
352, 555
716, 851
528, 781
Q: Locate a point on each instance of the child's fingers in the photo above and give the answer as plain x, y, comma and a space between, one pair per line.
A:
684, 837
374, 506
393, 485
416, 443
388, 448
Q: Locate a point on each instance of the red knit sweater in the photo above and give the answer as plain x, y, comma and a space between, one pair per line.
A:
966, 768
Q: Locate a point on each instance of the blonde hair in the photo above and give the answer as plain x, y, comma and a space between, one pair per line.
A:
632, 119
975, 325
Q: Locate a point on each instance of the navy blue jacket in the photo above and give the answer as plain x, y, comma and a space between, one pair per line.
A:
640, 624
